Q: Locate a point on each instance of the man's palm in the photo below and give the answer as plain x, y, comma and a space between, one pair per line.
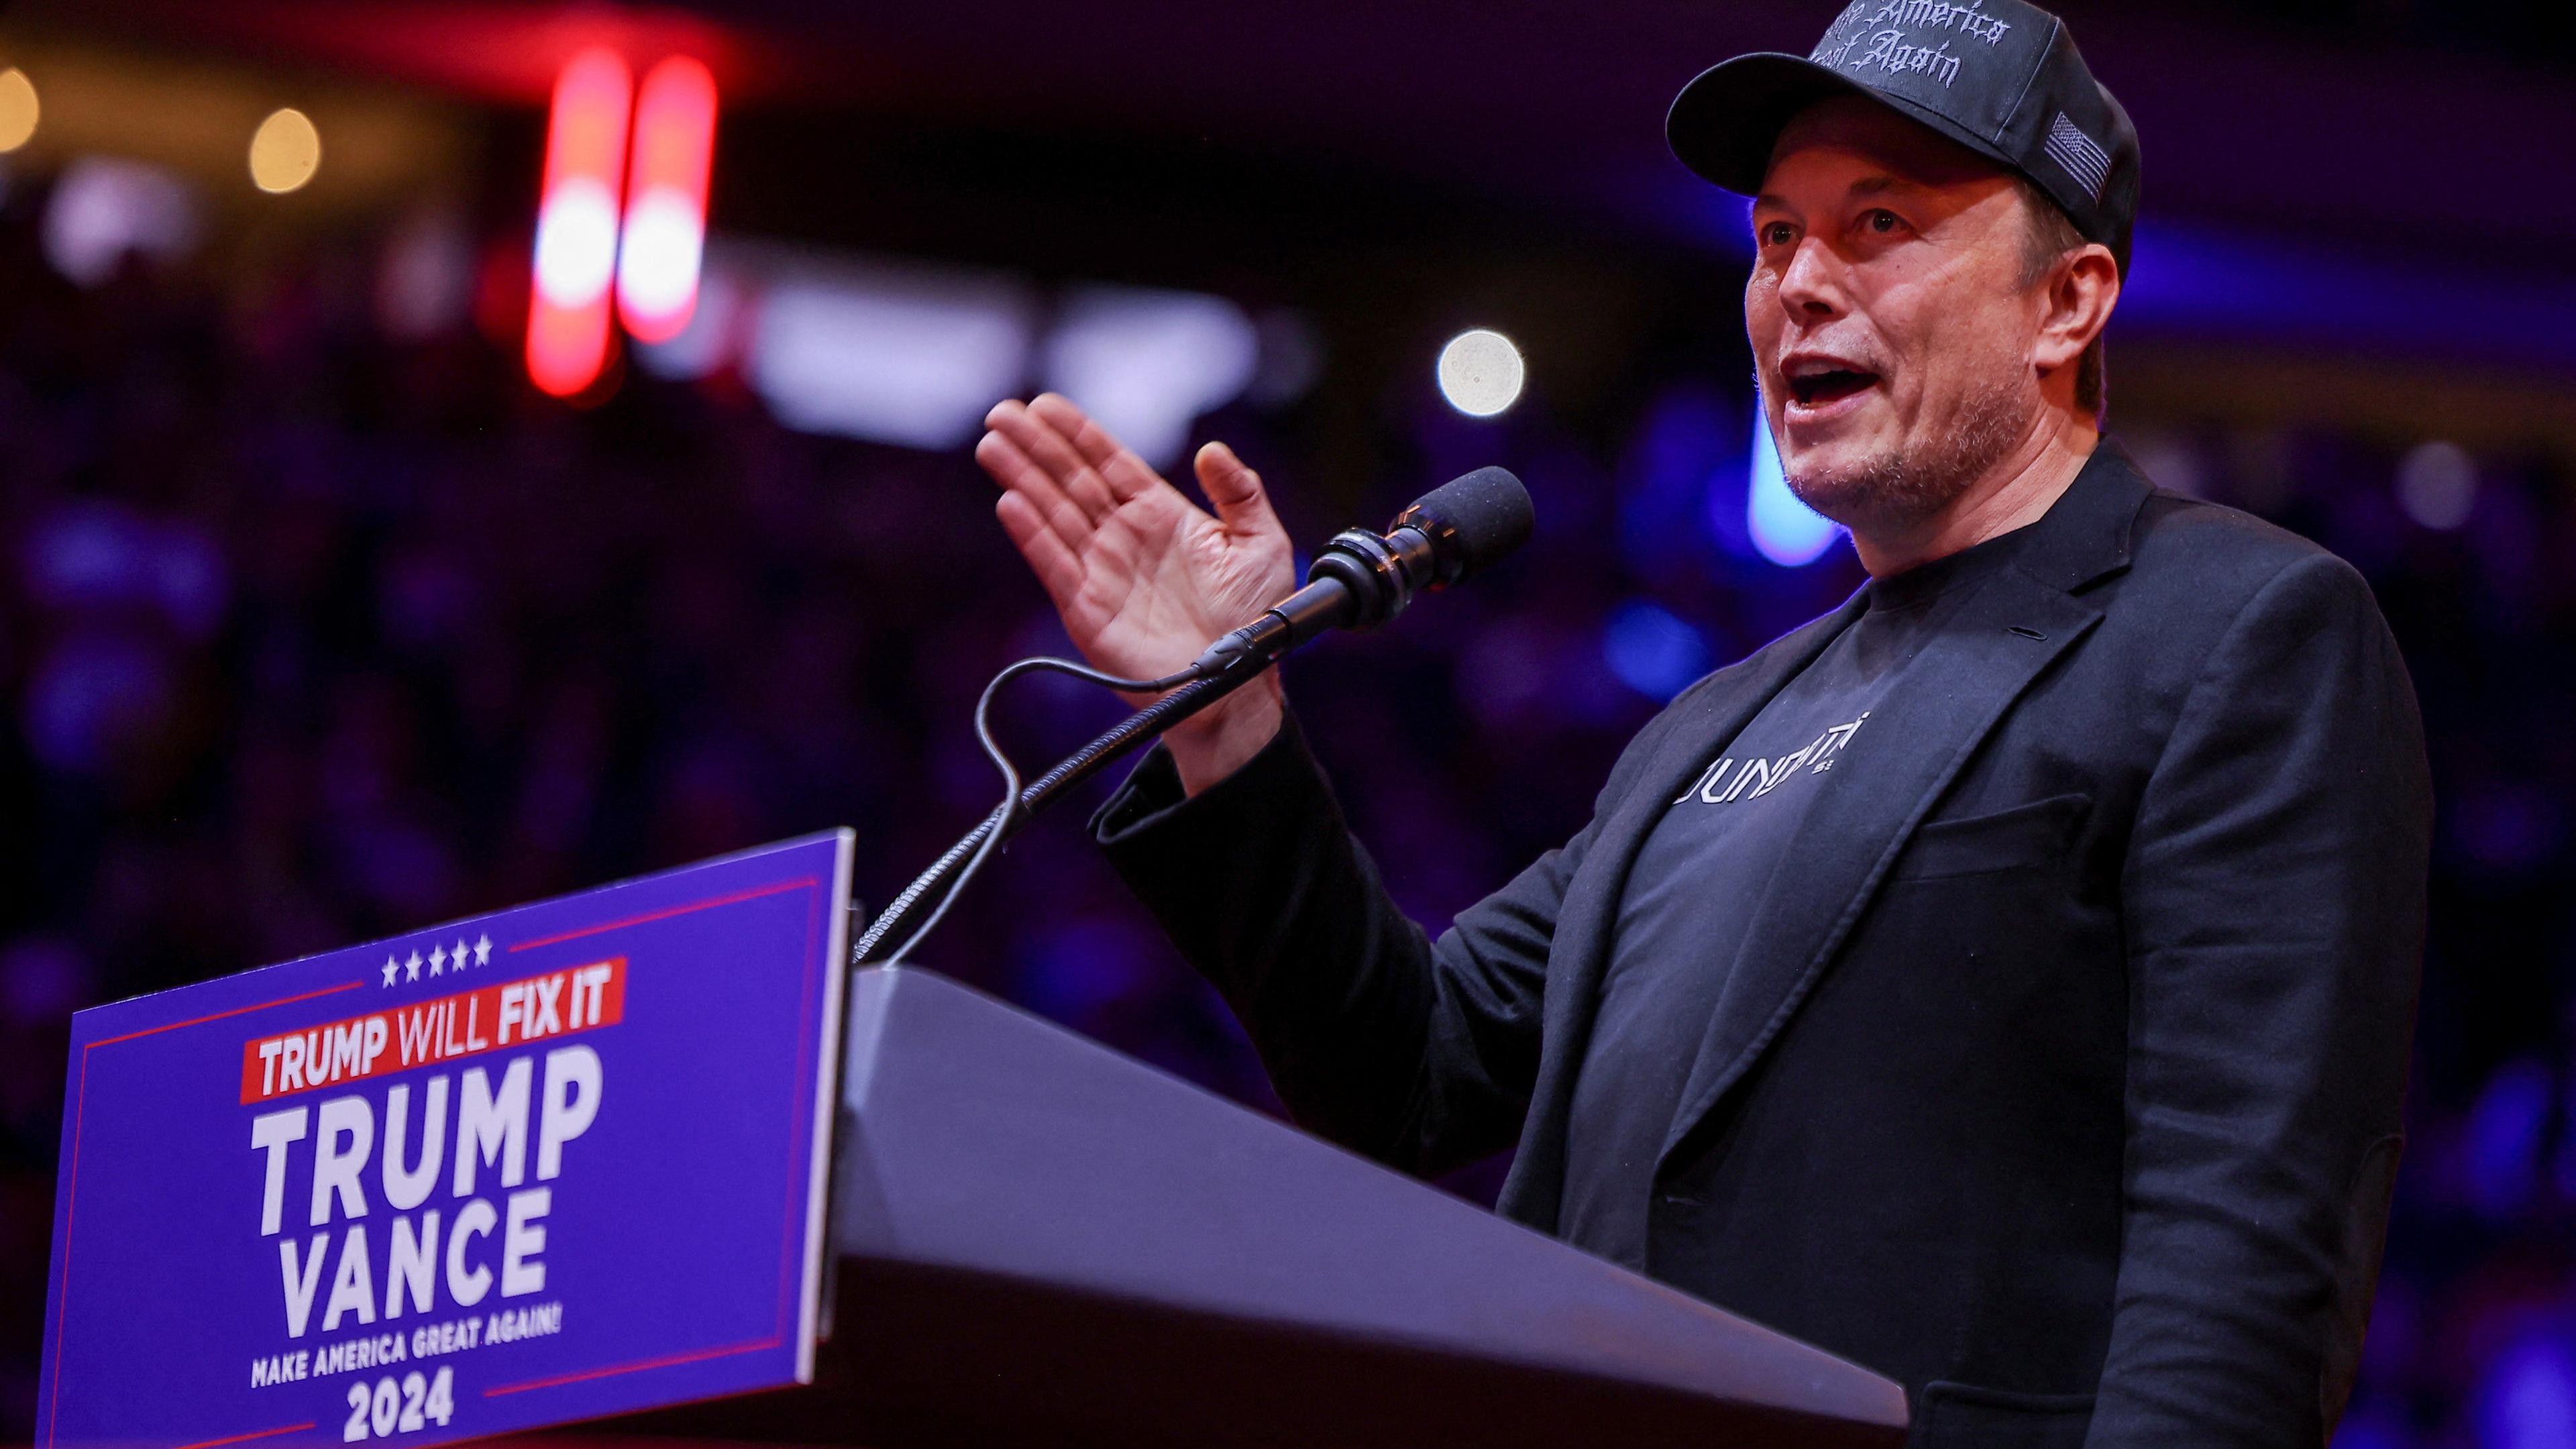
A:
1142, 578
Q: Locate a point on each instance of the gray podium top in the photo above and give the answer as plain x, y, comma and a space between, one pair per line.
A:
1040, 1240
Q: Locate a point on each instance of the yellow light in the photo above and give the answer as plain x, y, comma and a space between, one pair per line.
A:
18, 109
285, 151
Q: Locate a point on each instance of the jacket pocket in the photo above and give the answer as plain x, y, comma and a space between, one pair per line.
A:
2024, 835
1956, 1416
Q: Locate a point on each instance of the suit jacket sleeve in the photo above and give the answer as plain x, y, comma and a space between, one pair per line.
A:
1418, 1052
2274, 899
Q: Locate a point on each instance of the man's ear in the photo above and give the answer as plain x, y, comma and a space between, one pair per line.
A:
2081, 291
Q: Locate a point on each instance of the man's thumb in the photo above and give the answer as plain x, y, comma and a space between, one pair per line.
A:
1234, 490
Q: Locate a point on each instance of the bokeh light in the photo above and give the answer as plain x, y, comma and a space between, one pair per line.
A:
666, 210
576, 242
2437, 485
1147, 362
1652, 650
1480, 372
1788, 532
285, 151
2527, 1399
104, 209
19, 110
576, 245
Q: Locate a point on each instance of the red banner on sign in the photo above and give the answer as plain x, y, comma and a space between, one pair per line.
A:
468, 1023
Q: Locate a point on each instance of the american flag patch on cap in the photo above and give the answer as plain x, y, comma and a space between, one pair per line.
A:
2083, 160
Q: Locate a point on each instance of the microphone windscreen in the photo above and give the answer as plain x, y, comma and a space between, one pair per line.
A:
1475, 519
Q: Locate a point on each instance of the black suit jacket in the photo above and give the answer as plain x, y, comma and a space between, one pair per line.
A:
2061, 1077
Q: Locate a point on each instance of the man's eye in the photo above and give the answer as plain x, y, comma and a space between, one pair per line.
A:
1776, 234
1882, 221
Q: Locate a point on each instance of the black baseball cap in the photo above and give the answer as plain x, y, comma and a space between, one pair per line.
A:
1999, 77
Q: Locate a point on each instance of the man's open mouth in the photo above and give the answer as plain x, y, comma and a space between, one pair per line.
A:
1813, 389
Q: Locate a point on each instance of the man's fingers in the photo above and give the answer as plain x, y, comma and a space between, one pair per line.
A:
1124, 472
1051, 450
1024, 479
1012, 467
1058, 570
1235, 489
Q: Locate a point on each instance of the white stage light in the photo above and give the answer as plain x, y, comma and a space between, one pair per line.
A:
1147, 363
1480, 372
891, 355
576, 244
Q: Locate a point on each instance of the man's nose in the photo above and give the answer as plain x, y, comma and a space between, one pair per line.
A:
1811, 286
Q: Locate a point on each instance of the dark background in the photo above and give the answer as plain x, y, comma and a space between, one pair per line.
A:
318, 623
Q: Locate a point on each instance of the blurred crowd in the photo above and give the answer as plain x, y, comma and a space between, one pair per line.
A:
309, 635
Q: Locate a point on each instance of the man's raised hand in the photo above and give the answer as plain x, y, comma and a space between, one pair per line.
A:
1143, 578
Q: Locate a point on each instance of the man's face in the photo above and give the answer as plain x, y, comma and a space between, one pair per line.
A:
1890, 325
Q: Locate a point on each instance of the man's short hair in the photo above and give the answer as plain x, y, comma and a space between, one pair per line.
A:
2052, 235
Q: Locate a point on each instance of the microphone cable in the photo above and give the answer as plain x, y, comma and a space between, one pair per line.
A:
978, 844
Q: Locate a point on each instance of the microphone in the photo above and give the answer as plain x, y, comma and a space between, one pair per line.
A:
1362, 579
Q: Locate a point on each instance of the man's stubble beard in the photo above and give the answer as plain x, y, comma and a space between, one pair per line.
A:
1900, 489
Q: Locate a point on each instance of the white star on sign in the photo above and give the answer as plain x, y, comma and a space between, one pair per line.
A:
391, 966
437, 959
411, 968
456, 958
482, 950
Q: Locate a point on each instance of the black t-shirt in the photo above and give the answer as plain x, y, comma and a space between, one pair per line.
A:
1698, 879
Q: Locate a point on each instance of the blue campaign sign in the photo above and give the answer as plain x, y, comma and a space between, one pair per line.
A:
563, 1161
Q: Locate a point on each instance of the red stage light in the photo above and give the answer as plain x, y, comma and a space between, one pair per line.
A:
666, 209
576, 250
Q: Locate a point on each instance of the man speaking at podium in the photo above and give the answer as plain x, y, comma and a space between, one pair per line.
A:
2003, 981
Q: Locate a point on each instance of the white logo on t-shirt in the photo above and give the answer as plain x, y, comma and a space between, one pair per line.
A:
1762, 776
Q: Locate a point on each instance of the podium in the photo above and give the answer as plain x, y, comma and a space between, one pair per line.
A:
652, 1160
1036, 1240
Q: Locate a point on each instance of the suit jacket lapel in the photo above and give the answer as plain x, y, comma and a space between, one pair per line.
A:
1701, 721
